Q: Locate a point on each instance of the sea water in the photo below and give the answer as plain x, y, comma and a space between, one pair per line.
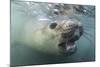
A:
29, 46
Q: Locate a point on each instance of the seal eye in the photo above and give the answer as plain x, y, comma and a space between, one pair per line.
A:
53, 25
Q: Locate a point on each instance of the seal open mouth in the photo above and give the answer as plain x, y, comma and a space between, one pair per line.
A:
67, 46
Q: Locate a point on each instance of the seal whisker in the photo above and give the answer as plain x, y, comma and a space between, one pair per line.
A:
88, 29
88, 33
86, 37
87, 24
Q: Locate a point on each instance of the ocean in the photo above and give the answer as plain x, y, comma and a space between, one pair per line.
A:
31, 47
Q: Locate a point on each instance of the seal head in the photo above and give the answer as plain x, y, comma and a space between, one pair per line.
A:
70, 32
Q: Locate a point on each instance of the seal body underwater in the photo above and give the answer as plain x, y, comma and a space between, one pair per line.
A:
55, 38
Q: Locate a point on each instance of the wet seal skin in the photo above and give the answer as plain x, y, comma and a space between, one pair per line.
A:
70, 32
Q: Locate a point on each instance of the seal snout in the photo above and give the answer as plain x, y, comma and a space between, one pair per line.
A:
70, 32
